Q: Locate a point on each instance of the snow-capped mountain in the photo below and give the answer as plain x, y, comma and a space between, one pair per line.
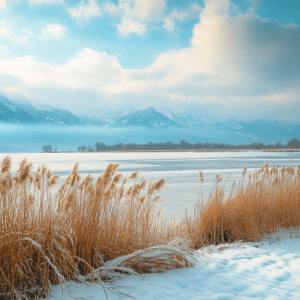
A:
26, 113
104, 116
232, 131
188, 120
148, 117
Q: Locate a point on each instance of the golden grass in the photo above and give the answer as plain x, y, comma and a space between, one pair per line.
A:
269, 200
156, 259
46, 239
101, 229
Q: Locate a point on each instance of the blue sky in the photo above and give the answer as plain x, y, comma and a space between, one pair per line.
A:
227, 59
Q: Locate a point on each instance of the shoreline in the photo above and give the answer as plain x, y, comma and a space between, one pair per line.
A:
181, 150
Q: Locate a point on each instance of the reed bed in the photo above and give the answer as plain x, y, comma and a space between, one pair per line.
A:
48, 238
101, 229
267, 200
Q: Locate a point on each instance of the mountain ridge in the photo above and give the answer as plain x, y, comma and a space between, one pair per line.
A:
150, 118
26, 113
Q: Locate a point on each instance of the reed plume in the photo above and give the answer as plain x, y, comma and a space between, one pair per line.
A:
270, 200
6, 165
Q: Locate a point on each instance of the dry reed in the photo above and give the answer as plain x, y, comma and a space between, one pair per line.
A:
101, 229
269, 200
48, 238
156, 259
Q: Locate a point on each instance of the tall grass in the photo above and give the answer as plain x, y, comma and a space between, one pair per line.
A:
47, 238
267, 200
100, 228
34, 251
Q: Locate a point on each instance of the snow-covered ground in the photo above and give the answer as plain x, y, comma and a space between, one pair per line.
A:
269, 269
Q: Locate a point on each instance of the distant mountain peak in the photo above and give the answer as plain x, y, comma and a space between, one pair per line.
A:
150, 108
148, 117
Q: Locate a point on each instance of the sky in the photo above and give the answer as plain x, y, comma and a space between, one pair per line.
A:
226, 59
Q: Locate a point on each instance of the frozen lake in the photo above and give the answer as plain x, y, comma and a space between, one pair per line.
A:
180, 169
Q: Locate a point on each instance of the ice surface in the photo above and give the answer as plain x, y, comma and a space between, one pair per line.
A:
180, 169
263, 270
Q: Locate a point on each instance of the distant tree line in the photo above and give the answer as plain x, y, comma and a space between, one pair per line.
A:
48, 148
182, 145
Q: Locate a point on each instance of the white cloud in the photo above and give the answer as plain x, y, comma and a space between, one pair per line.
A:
3, 3
136, 14
290, 95
26, 70
150, 10
4, 31
110, 8
26, 34
188, 13
243, 49
85, 10
230, 53
56, 30
26, 31
129, 26
39, 2
90, 69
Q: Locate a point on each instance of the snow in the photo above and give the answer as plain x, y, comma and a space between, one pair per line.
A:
269, 269
43, 107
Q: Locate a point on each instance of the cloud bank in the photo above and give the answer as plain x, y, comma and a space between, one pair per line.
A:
234, 59
135, 16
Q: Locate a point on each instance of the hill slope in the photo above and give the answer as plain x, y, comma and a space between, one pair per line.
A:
25, 113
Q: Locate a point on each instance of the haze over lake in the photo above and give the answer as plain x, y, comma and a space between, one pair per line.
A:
180, 169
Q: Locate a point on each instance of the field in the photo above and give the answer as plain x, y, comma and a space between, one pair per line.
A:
99, 229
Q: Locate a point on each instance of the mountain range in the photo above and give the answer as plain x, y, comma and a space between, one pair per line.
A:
150, 118
26, 113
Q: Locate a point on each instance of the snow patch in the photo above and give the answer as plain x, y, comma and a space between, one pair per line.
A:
269, 269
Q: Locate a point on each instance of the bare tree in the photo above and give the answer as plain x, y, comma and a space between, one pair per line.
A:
90, 148
81, 148
47, 148
293, 143
100, 146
